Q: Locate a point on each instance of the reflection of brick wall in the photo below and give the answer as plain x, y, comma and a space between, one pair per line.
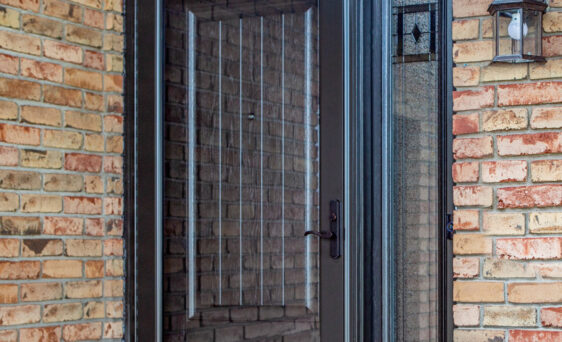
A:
415, 201
508, 218
218, 314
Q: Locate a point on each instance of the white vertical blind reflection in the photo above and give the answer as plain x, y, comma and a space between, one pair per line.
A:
307, 150
190, 131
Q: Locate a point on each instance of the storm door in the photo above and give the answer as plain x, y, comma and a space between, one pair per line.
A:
252, 171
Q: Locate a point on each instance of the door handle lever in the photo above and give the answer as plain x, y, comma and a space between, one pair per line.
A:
322, 235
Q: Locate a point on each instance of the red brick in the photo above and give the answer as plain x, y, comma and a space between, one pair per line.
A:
20, 89
113, 123
80, 332
551, 317
94, 60
9, 64
12, 270
113, 83
472, 147
466, 267
525, 144
113, 164
504, 171
62, 96
534, 336
473, 99
113, 205
63, 52
530, 196
473, 196
9, 156
465, 172
47, 334
466, 220
82, 162
529, 93
62, 226
9, 336
552, 46
465, 124
113, 247
82, 205
529, 248
93, 18
94, 226
9, 248
41, 70
83, 79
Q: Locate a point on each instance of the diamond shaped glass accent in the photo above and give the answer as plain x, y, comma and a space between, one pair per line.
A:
416, 33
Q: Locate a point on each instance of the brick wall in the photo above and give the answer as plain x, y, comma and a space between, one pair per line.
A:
61, 125
508, 193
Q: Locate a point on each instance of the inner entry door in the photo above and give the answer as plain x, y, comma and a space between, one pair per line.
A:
253, 160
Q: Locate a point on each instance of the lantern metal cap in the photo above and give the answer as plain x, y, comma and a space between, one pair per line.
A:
534, 5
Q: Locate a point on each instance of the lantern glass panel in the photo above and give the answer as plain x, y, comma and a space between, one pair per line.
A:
508, 31
531, 25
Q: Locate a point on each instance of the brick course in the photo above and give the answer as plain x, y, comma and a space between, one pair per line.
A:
61, 145
508, 196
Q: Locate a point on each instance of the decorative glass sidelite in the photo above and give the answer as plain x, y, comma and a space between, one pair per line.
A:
518, 30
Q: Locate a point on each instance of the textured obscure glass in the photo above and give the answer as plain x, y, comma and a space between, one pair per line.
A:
241, 171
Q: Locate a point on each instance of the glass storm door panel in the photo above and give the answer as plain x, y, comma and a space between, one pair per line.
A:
242, 172
415, 131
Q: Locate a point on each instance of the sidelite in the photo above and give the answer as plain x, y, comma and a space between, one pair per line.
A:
241, 171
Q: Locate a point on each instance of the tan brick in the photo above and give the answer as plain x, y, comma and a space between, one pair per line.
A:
466, 220
509, 119
503, 72
94, 227
94, 60
62, 312
504, 269
41, 159
114, 5
93, 310
10, 18
114, 309
8, 294
555, 3
62, 96
21, 314
94, 18
94, 142
114, 22
86, 121
83, 79
114, 227
467, 244
112, 164
80, 332
113, 42
473, 99
466, 267
503, 223
8, 110
504, 171
473, 147
113, 330
41, 247
525, 144
466, 76
113, 247
14, 225
90, 3
94, 268
22, 180
113, 206
113, 83
465, 124
470, 8
62, 139
8, 335
94, 102
115, 268
113, 288
466, 315
529, 93
475, 51
37, 292
530, 196
465, 172
9, 201
42, 26
32, 5
534, 292
20, 89
83, 248
63, 226
83, 289
551, 317
551, 69
62, 269
114, 185
113, 124
529, 248
510, 316
545, 223
478, 292
82, 162
20, 135
9, 156
84, 36
13, 270
47, 334
63, 52
33, 203
9, 248
62, 10
82, 205
115, 63
41, 115
115, 103
481, 196
114, 144
549, 270
20, 43
552, 22
465, 29
546, 170
93, 184
549, 117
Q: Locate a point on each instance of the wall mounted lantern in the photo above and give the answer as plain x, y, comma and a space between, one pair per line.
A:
517, 30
